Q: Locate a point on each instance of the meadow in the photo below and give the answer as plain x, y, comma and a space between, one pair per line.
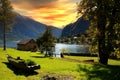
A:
58, 67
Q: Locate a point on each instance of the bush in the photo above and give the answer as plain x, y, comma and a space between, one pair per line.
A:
29, 62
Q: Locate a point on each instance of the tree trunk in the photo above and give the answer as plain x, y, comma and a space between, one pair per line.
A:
46, 51
103, 55
103, 58
101, 26
4, 36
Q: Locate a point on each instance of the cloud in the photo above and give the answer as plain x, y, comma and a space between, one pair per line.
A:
32, 4
51, 12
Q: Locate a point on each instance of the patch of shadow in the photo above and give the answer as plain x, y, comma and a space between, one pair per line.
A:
53, 76
18, 71
41, 57
100, 72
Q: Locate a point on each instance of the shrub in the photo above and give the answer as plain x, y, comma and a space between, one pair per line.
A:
29, 62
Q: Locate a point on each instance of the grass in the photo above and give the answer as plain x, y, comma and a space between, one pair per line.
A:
80, 71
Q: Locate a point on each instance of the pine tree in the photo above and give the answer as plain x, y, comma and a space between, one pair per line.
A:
6, 17
46, 41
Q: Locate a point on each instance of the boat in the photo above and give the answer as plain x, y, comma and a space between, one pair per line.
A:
20, 63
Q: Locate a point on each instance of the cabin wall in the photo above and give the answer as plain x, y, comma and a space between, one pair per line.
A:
30, 46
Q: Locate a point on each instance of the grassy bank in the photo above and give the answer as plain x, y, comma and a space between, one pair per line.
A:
80, 71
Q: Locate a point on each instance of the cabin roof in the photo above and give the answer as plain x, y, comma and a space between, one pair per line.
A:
24, 41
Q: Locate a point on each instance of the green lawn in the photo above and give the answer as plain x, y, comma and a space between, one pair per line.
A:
80, 71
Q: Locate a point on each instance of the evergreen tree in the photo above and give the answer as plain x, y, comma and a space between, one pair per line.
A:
46, 41
6, 17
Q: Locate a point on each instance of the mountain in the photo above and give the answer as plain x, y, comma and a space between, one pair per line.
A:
25, 27
78, 27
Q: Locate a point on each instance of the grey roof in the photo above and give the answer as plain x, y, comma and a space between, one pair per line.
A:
24, 41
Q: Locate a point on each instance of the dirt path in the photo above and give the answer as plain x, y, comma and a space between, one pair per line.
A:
52, 76
91, 61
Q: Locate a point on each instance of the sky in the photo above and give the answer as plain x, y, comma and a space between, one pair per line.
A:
57, 13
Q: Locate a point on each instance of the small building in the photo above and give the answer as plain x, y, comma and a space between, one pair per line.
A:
27, 45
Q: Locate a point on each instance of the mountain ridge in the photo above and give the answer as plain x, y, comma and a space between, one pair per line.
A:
25, 27
78, 27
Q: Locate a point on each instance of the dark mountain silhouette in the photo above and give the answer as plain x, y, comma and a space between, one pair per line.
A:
78, 27
25, 27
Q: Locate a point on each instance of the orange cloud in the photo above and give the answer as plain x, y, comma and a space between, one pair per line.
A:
54, 17
50, 12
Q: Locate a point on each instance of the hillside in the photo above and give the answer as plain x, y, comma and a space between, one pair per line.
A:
25, 27
78, 27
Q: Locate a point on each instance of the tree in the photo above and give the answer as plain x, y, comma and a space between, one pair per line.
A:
105, 14
46, 41
92, 39
6, 17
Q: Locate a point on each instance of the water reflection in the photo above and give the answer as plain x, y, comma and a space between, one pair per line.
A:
70, 48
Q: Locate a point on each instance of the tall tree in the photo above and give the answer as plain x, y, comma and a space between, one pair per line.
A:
6, 17
105, 14
46, 41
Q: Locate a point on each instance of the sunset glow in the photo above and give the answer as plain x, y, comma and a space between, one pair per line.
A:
51, 12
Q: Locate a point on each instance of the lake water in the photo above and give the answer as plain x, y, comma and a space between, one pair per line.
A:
70, 48
9, 44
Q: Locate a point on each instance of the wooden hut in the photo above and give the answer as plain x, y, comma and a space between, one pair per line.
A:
27, 45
